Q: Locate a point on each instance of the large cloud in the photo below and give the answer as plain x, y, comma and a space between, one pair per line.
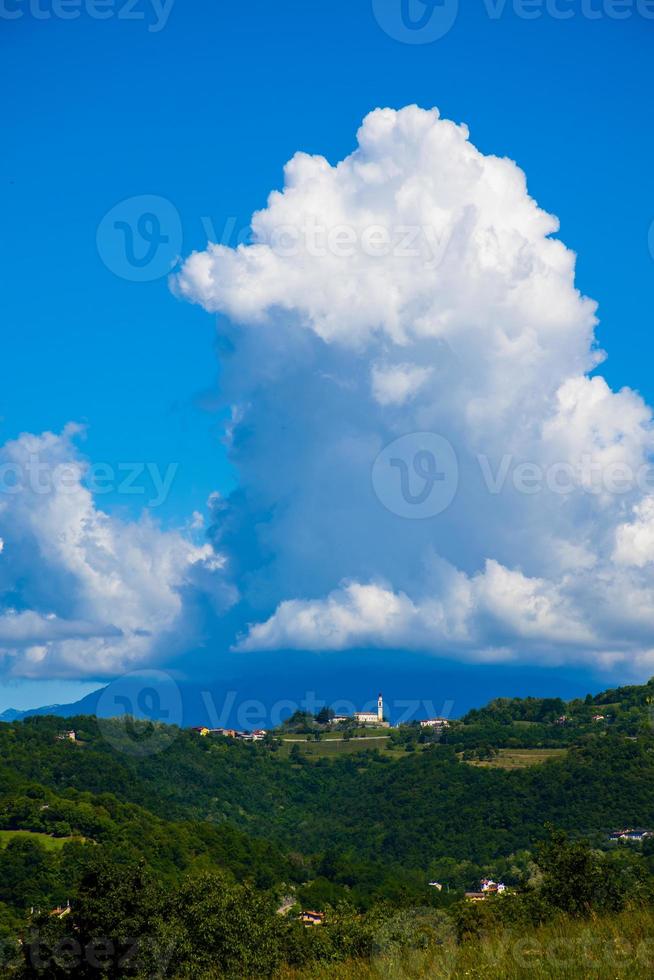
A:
416, 287
82, 592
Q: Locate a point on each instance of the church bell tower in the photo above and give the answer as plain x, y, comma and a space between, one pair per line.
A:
380, 708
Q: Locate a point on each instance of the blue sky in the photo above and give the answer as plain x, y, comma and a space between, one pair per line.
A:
204, 113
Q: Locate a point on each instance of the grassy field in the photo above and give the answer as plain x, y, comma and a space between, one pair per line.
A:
333, 744
50, 843
520, 758
337, 734
620, 947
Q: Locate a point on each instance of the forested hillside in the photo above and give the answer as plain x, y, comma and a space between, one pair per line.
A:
415, 809
363, 833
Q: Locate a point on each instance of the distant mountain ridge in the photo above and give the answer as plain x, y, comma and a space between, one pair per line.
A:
419, 686
85, 706
10, 714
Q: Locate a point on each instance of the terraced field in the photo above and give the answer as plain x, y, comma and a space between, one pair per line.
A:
520, 758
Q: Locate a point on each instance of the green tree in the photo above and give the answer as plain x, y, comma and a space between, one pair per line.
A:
573, 879
218, 928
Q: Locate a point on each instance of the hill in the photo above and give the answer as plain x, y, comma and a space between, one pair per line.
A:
364, 832
414, 808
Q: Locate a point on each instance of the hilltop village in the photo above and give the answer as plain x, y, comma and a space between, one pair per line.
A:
326, 717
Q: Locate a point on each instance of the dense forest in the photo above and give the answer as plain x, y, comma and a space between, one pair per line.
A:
211, 847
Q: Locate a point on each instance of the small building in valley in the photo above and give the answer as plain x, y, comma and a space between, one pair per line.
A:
487, 888
61, 911
630, 834
491, 887
312, 918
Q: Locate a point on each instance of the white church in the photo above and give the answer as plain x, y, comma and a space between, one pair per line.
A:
375, 718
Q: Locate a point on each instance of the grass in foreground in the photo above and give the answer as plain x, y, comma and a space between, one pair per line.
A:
619, 947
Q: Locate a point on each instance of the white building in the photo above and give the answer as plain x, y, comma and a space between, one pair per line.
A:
372, 717
434, 723
630, 834
366, 717
491, 887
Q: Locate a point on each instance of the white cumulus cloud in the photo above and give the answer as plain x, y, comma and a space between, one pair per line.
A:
82, 592
415, 286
